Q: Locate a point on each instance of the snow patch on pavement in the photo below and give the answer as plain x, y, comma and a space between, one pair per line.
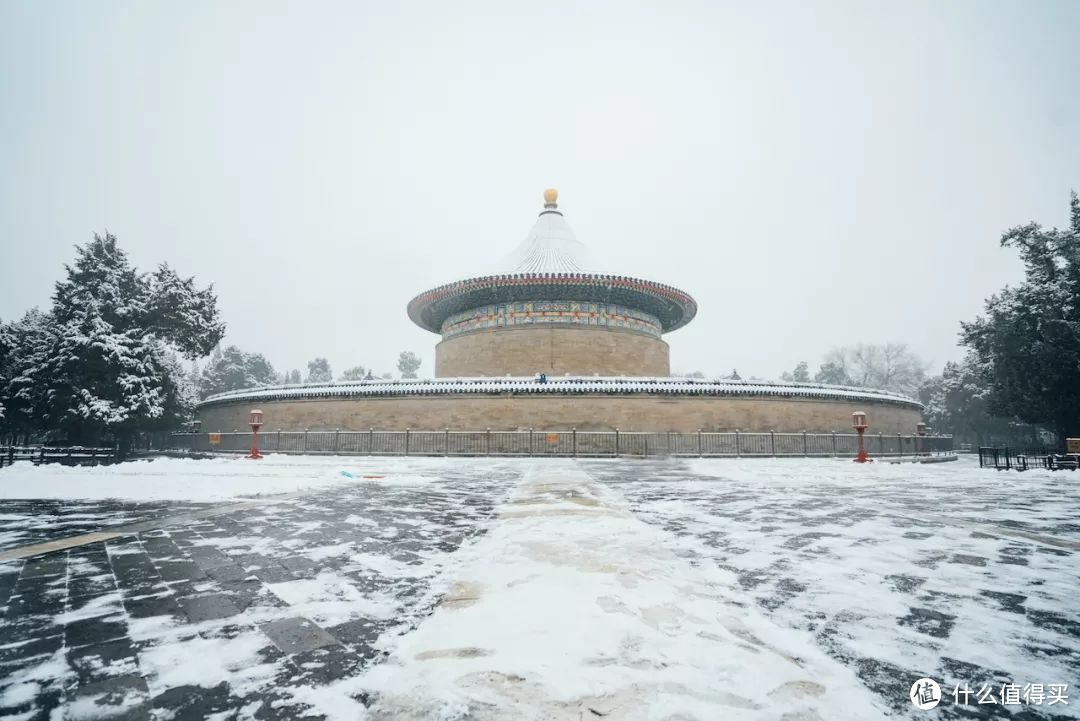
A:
206, 662
330, 598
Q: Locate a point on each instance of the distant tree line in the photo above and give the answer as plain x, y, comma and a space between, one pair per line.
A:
231, 369
955, 402
891, 367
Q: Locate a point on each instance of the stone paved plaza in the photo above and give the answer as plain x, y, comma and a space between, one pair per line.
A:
289, 606
279, 595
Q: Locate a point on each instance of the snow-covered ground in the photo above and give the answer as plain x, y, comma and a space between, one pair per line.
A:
521, 588
211, 479
40, 503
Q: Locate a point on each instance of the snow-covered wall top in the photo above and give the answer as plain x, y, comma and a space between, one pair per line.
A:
562, 385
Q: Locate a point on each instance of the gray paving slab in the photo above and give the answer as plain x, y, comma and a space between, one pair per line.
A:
208, 557
208, 608
297, 634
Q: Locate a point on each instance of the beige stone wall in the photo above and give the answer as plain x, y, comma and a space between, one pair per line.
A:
555, 350
558, 412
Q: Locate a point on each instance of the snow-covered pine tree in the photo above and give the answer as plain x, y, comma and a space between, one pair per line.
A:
7, 344
181, 314
181, 391
102, 379
23, 372
113, 367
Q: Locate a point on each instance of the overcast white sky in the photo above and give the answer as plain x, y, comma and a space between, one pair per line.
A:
814, 173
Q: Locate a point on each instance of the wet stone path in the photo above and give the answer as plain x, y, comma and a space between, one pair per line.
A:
891, 575
24, 522
258, 612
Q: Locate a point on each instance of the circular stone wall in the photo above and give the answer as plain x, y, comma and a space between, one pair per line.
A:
552, 349
551, 411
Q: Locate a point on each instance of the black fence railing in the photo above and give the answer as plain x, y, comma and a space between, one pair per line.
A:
561, 443
70, 455
1011, 459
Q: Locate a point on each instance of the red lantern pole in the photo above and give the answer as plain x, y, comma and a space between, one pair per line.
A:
858, 422
255, 420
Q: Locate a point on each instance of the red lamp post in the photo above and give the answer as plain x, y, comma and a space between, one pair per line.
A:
255, 420
858, 422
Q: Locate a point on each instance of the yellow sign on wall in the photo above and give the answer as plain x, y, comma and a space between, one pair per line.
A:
1072, 445
215, 438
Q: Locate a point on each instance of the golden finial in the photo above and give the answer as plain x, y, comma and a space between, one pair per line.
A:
550, 196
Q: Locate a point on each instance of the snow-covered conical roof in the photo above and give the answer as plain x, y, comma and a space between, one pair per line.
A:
551, 246
552, 265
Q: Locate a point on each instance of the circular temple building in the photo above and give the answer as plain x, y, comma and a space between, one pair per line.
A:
551, 313
551, 343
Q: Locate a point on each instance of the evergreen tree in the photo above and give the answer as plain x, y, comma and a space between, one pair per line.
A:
293, 377
319, 371
832, 373
801, 374
112, 364
7, 345
356, 373
408, 363
956, 402
1028, 342
231, 369
23, 373
101, 379
182, 315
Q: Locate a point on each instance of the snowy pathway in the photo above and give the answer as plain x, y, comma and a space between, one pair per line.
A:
573, 608
946, 571
28, 522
